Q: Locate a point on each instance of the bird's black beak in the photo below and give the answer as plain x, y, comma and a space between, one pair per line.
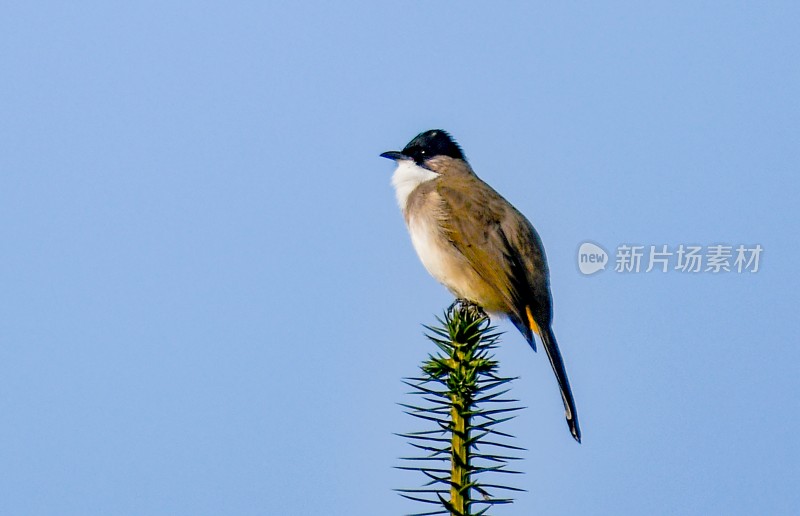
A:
394, 155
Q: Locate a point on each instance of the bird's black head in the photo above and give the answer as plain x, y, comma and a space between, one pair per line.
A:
429, 144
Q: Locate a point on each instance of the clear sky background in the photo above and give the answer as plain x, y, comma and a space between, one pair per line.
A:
208, 297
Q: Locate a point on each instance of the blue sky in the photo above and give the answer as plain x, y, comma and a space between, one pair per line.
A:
209, 298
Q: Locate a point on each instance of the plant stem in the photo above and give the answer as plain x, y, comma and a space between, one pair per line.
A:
459, 413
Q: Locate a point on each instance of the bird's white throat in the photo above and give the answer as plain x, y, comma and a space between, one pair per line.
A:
407, 177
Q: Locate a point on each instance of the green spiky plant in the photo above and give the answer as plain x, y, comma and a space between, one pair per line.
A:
463, 399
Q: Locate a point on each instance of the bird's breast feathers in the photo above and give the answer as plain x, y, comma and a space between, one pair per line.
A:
426, 236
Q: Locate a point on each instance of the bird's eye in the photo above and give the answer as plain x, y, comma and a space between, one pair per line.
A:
423, 151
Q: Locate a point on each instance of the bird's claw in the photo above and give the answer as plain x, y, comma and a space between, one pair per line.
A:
466, 304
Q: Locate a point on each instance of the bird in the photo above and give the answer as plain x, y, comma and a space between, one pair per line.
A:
475, 243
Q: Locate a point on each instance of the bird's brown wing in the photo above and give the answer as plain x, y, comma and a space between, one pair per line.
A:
499, 243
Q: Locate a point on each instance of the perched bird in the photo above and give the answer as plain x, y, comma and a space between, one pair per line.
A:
477, 244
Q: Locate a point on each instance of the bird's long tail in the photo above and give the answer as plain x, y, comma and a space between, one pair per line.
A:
551, 347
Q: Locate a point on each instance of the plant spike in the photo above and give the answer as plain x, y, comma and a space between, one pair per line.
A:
461, 394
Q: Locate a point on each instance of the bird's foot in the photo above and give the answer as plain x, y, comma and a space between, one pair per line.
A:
465, 304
